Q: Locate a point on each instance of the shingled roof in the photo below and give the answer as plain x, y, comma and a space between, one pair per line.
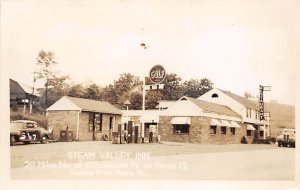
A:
212, 107
85, 105
242, 100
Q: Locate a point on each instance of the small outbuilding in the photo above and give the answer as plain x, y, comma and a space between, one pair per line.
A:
83, 119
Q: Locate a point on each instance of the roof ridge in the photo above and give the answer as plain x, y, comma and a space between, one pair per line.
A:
86, 99
195, 101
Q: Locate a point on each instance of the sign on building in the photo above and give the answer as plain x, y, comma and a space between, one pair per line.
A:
261, 101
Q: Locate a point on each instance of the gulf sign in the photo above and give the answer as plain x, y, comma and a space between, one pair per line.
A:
157, 74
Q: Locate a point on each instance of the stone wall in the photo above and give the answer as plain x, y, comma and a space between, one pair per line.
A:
86, 135
199, 132
61, 119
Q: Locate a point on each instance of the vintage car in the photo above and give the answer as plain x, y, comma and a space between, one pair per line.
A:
287, 138
27, 131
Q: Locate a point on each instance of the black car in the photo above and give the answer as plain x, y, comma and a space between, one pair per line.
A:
27, 131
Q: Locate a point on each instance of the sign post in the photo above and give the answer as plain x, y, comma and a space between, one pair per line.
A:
261, 101
157, 75
262, 114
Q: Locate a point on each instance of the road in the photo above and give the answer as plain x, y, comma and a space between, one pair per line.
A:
166, 161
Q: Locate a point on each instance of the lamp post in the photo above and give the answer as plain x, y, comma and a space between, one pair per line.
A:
143, 45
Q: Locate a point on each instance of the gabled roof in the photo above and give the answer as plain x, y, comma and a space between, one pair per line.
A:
84, 105
242, 100
21, 86
212, 107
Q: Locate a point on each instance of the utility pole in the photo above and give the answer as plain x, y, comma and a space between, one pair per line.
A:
31, 99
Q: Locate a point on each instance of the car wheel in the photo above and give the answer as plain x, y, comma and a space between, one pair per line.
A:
44, 140
279, 144
12, 140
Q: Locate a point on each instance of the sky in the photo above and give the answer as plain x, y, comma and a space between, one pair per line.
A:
238, 45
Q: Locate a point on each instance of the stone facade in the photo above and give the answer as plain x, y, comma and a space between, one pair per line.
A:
200, 132
60, 120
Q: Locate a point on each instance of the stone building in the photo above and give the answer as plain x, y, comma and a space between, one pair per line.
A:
85, 119
196, 121
147, 120
277, 116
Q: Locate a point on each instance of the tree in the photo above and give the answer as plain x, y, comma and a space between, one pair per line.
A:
55, 85
152, 98
124, 85
108, 94
46, 61
173, 88
57, 88
77, 91
136, 100
93, 92
197, 87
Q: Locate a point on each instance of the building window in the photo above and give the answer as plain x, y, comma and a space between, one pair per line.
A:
261, 133
98, 121
110, 122
223, 130
213, 129
95, 122
181, 128
215, 95
232, 130
248, 112
249, 134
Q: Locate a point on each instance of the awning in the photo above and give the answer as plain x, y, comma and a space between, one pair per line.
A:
250, 127
181, 120
225, 123
234, 124
215, 122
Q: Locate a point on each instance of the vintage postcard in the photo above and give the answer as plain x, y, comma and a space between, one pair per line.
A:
149, 94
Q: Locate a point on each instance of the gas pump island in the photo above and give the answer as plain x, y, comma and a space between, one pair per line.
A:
134, 131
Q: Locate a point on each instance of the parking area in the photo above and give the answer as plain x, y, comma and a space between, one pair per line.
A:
168, 161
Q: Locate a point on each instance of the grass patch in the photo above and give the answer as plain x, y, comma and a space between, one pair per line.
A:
40, 119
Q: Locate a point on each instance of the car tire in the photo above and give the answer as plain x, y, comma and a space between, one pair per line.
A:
279, 144
44, 140
13, 140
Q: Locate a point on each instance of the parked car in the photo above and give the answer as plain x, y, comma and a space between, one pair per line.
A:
27, 131
287, 138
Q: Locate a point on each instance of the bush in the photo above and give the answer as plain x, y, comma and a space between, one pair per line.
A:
40, 119
244, 140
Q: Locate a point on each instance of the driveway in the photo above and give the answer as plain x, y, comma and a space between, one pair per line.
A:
166, 161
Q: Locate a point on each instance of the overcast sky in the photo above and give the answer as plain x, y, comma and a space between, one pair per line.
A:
236, 44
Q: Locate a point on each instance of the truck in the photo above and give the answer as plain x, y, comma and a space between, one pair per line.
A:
287, 138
